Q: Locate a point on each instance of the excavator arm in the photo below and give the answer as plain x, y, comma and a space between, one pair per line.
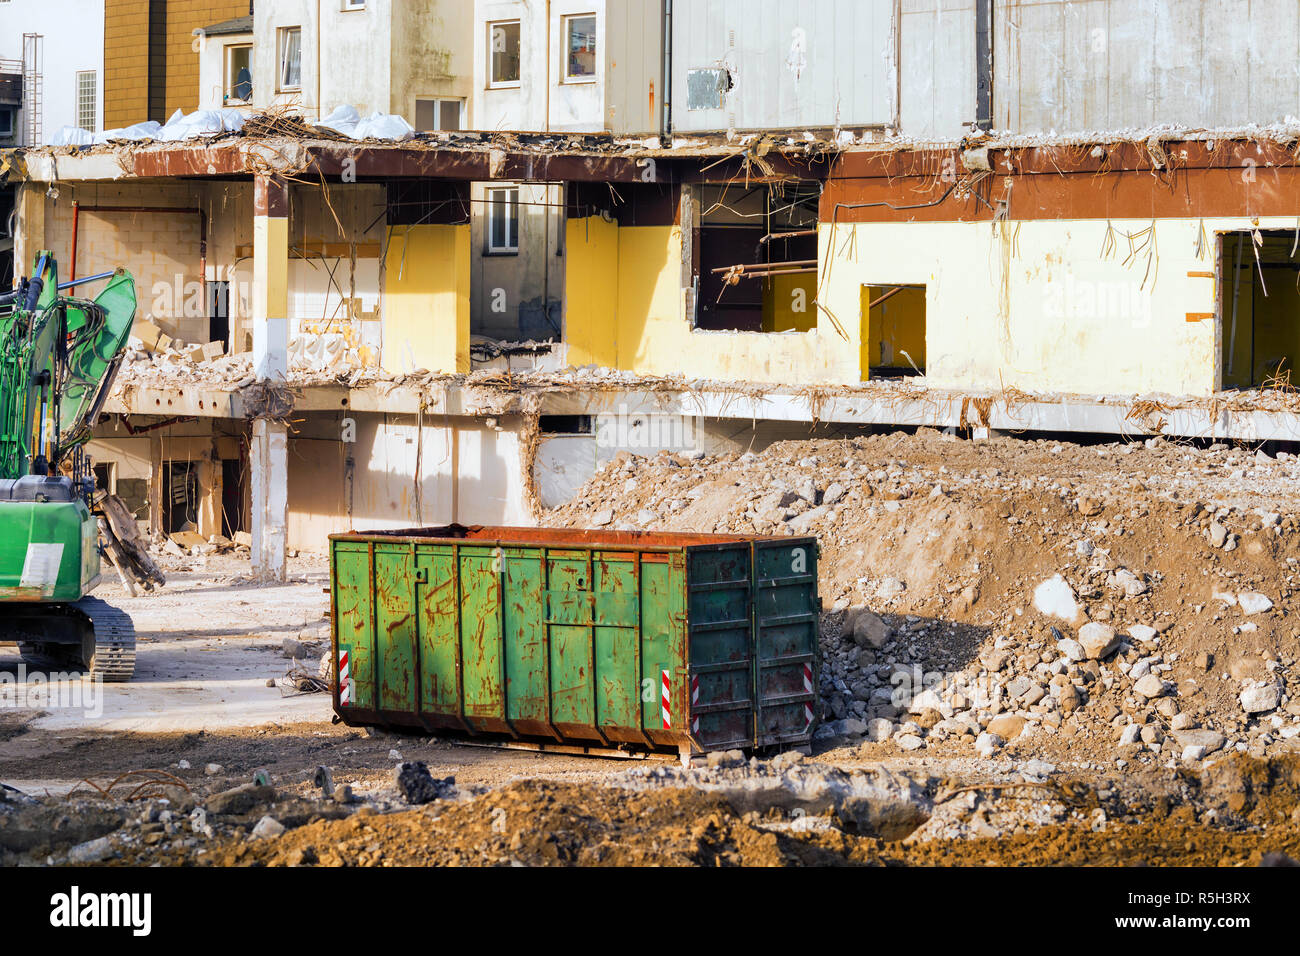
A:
59, 356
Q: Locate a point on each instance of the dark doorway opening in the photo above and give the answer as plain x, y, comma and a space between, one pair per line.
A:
219, 312
1259, 308
233, 477
180, 496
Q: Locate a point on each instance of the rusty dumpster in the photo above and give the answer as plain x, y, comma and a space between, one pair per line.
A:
575, 639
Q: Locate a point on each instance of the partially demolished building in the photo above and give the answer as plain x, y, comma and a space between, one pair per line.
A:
310, 360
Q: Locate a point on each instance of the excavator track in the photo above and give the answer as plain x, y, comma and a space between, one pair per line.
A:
113, 657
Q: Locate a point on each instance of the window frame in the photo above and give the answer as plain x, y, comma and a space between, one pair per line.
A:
493, 84
513, 222
228, 97
94, 100
281, 40
438, 101
566, 25
351, 5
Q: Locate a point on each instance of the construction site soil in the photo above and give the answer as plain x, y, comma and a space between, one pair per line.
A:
1033, 652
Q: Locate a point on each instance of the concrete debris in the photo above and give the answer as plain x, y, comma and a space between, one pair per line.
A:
415, 784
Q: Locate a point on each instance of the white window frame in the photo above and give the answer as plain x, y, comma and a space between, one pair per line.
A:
511, 199
281, 44
566, 24
353, 5
93, 105
504, 84
228, 97
437, 101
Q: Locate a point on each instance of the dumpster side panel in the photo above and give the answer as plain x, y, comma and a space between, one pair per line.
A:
616, 634
483, 675
526, 667
786, 614
721, 659
353, 627
395, 624
568, 614
439, 640
663, 626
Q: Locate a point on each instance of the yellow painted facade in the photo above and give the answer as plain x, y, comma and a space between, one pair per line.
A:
426, 299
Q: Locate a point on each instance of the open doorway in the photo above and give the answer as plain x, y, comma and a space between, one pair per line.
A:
1259, 313
180, 496
757, 257
893, 330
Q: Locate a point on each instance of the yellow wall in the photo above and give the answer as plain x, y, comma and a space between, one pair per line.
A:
1034, 305
781, 295
644, 326
591, 292
426, 299
895, 326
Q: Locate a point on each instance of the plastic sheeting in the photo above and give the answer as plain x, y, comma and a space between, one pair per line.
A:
347, 121
181, 126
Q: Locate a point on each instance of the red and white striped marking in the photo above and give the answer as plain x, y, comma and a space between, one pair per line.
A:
695, 699
666, 702
345, 684
807, 689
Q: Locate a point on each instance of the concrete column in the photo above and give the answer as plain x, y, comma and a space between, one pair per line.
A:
30, 235
269, 451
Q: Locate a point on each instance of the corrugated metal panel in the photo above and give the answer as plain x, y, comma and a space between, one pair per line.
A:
1111, 64
658, 641
938, 68
815, 64
634, 67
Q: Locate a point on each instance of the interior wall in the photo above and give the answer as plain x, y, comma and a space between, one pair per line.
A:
426, 315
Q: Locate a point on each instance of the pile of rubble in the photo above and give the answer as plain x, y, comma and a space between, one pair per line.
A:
1100, 606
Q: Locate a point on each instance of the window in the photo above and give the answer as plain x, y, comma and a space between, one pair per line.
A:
503, 220
87, 87
354, 4
438, 114
580, 48
6, 123
290, 47
239, 73
503, 53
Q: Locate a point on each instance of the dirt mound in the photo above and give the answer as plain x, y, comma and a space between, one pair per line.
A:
531, 823
1121, 605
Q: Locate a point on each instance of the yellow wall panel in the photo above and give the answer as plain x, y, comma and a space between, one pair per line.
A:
426, 299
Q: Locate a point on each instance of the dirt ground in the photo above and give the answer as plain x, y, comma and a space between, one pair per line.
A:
1027, 748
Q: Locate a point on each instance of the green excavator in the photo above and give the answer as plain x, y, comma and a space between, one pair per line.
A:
58, 358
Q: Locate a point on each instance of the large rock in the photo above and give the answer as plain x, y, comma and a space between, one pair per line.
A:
1055, 597
868, 629
1208, 740
1261, 698
1071, 648
1252, 602
416, 785
241, 799
987, 744
1151, 686
1098, 640
1007, 726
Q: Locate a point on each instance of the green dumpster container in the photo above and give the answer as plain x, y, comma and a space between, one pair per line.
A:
573, 639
